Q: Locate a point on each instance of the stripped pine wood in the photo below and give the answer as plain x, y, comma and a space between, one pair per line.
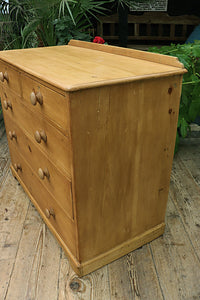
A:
112, 99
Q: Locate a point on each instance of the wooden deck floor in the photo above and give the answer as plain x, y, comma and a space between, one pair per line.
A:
33, 266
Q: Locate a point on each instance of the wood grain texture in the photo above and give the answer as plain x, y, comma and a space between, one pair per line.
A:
176, 262
30, 264
140, 266
61, 225
57, 184
61, 156
54, 107
119, 280
80, 68
168, 260
185, 193
4, 159
93, 286
127, 189
109, 145
13, 82
154, 57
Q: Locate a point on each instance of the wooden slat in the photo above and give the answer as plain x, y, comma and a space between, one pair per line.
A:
142, 270
33, 275
160, 30
146, 37
119, 279
4, 158
112, 29
136, 29
147, 56
172, 31
148, 29
185, 193
176, 263
93, 286
6, 267
185, 30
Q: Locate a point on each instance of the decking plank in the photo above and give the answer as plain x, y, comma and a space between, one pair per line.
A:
119, 279
35, 273
185, 193
176, 263
92, 286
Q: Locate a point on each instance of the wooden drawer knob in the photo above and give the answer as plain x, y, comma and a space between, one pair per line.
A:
49, 212
43, 173
7, 104
40, 135
12, 134
3, 76
17, 167
36, 97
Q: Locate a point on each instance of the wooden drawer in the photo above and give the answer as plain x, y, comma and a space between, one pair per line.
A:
52, 214
52, 179
13, 75
46, 102
57, 146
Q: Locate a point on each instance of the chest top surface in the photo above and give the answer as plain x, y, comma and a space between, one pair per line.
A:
72, 68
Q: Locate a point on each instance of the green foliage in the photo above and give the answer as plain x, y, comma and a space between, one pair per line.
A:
65, 30
189, 55
41, 23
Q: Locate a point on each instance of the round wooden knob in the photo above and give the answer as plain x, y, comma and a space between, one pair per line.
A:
12, 134
40, 135
3, 76
17, 167
49, 212
43, 173
7, 104
36, 97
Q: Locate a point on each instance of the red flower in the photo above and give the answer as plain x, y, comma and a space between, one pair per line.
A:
98, 40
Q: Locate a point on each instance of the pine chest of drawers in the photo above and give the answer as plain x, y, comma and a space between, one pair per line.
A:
91, 132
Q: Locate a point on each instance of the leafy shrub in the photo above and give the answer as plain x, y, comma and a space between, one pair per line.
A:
189, 55
65, 30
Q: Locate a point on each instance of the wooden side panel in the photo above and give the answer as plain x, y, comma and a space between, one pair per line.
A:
123, 142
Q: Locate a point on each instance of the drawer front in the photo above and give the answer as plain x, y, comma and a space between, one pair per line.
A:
13, 81
51, 178
51, 141
54, 216
47, 102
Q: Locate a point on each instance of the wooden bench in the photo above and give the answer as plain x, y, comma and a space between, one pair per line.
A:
150, 26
